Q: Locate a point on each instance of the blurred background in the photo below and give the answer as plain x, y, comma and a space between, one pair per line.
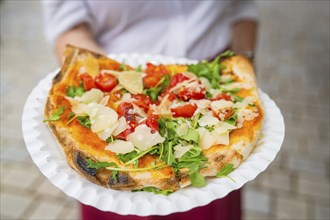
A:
293, 68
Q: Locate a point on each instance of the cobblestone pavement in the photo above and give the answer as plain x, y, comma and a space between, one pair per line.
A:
293, 68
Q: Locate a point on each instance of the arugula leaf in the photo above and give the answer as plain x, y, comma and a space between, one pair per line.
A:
228, 168
123, 66
237, 98
73, 91
127, 157
110, 139
192, 135
154, 92
154, 190
194, 160
232, 120
197, 179
227, 53
85, 121
99, 165
138, 69
56, 115
211, 71
70, 115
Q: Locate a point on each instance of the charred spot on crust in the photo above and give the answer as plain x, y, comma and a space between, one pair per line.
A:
57, 77
81, 162
219, 158
123, 180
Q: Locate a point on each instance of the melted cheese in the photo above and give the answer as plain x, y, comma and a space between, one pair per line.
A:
143, 138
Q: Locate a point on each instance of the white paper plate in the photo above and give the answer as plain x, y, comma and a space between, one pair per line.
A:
47, 155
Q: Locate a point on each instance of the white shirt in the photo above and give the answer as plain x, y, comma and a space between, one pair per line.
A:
193, 29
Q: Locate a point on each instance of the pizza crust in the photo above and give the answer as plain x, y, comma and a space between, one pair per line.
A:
242, 140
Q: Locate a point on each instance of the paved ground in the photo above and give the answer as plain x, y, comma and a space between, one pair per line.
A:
293, 68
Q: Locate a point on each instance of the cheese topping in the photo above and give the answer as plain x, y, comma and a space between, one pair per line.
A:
208, 120
221, 104
120, 147
180, 150
206, 140
122, 126
93, 95
143, 137
130, 80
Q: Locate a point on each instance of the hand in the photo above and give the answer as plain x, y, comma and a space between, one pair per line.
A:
79, 36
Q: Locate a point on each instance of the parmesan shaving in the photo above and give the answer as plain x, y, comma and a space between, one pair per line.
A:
143, 138
180, 150
120, 147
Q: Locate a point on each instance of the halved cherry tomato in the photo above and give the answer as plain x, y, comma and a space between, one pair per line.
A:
151, 80
222, 96
123, 108
229, 113
124, 134
142, 101
177, 78
188, 93
185, 111
88, 81
153, 69
152, 122
105, 82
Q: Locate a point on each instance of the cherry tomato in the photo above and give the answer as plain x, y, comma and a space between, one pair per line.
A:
153, 69
185, 111
152, 122
177, 78
151, 80
222, 96
188, 93
124, 134
88, 81
142, 101
229, 113
123, 108
105, 82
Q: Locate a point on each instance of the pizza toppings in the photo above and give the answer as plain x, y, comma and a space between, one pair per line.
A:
144, 137
185, 111
172, 116
105, 82
120, 147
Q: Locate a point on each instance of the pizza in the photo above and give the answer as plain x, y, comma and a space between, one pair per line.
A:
155, 127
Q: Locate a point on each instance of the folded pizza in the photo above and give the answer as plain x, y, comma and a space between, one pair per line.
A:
154, 127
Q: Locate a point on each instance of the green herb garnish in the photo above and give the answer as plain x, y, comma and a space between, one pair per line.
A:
99, 165
154, 190
84, 121
56, 115
73, 91
228, 168
138, 69
70, 115
154, 92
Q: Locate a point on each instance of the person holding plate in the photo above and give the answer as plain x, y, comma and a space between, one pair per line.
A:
192, 29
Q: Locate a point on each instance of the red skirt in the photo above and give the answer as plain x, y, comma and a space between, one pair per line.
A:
228, 208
